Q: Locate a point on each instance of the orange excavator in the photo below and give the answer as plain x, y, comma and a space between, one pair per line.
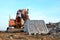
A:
21, 17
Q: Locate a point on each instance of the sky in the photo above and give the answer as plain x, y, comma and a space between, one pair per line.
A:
47, 10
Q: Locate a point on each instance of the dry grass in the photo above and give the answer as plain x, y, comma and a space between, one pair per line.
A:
24, 36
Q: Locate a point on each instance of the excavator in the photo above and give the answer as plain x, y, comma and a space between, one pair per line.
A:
21, 17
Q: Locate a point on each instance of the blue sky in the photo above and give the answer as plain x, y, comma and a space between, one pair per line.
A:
47, 10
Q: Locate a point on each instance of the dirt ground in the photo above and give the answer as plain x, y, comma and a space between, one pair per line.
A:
24, 36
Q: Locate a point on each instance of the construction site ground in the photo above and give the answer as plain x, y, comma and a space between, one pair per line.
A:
24, 36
